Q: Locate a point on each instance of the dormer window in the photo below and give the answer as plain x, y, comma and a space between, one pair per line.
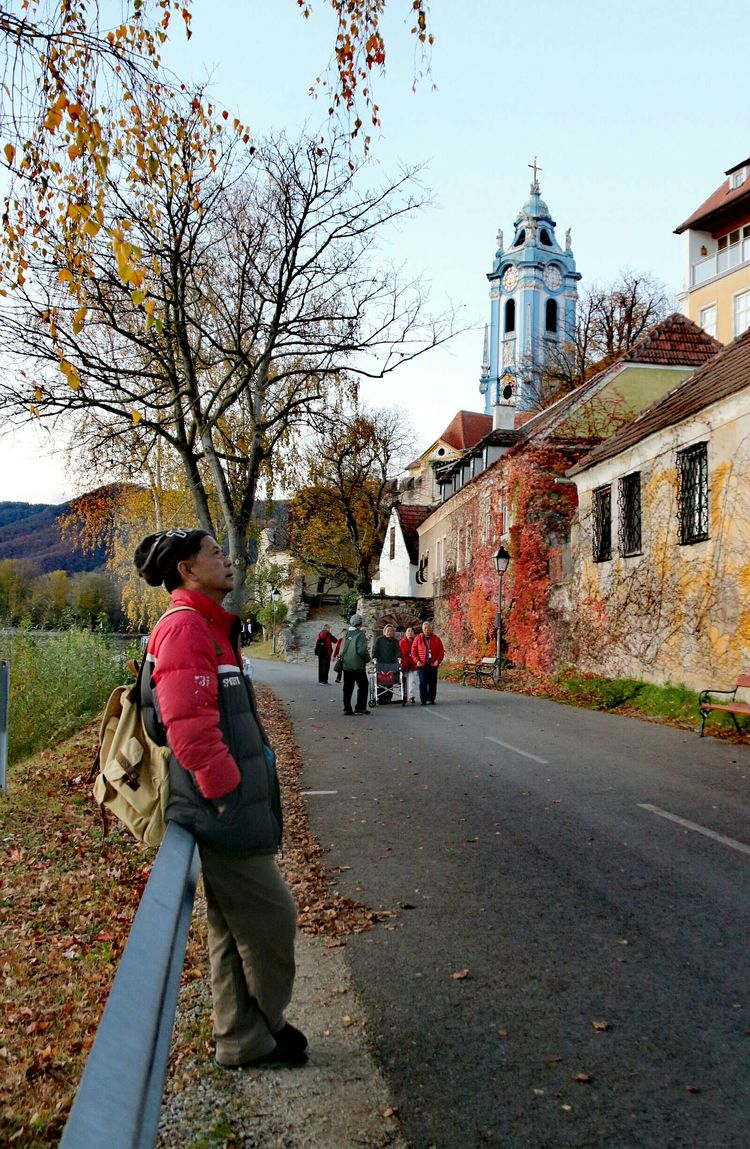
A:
737, 179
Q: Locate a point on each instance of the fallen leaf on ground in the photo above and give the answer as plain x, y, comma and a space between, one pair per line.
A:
583, 1078
460, 975
391, 1111
600, 1026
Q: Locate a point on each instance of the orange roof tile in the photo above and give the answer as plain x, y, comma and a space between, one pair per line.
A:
466, 429
724, 197
410, 517
725, 374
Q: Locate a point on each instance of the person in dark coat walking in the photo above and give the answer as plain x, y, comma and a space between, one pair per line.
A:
324, 649
355, 657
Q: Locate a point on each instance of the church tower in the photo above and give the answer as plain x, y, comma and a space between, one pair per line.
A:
533, 297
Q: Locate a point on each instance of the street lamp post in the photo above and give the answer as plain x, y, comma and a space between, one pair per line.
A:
275, 596
501, 558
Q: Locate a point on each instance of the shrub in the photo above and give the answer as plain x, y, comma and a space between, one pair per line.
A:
56, 682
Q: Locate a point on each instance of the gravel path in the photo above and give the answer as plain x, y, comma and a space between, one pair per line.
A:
339, 1100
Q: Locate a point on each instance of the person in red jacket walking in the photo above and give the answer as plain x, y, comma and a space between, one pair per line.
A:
223, 788
323, 650
427, 652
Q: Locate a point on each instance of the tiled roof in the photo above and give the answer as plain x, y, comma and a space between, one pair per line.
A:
725, 374
466, 429
676, 341
410, 517
723, 197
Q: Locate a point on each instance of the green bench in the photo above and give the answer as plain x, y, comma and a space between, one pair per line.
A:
731, 704
485, 669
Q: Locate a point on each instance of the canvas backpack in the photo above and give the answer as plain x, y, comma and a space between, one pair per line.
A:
132, 770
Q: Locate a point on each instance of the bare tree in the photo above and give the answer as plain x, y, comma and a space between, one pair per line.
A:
263, 299
610, 320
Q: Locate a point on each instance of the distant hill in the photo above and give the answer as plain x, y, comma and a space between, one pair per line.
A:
31, 531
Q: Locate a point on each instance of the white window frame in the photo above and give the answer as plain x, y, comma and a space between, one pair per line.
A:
467, 546
740, 295
486, 514
737, 179
701, 319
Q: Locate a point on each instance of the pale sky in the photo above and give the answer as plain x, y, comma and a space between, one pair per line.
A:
634, 111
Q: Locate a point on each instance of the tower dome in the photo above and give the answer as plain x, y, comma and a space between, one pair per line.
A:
533, 293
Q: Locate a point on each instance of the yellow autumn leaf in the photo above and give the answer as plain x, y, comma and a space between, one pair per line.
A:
71, 374
65, 276
136, 417
73, 152
10, 153
91, 228
37, 394
79, 319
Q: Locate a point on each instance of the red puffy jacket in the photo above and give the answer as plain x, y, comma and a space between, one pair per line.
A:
423, 647
188, 656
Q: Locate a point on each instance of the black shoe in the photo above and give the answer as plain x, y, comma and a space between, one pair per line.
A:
363, 712
291, 1038
430, 701
423, 704
349, 713
281, 1056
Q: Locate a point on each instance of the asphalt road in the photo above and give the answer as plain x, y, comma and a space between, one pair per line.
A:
590, 872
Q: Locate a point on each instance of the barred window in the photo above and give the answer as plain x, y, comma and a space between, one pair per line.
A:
629, 514
692, 473
602, 509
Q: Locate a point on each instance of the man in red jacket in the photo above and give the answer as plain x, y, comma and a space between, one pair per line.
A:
427, 653
224, 789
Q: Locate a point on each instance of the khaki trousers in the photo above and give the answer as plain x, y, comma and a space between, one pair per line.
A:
252, 921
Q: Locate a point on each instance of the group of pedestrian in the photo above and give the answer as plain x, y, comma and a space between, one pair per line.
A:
415, 656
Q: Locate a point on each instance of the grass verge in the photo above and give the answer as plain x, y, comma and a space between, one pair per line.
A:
675, 705
67, 900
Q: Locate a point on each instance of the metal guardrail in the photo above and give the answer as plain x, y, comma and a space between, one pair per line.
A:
4, 716
119, 1099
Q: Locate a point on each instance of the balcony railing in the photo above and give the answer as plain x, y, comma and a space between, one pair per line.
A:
720, 262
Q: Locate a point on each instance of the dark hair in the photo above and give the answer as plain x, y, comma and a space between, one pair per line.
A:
156, 558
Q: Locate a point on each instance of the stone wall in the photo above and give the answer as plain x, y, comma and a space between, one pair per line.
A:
406, 611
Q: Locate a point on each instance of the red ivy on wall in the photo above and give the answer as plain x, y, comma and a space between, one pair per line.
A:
542, 509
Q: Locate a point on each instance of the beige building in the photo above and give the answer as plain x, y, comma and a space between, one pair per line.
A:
661, 544
476, 514
716, 266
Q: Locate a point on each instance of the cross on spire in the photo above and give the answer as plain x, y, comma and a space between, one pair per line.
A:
535, 168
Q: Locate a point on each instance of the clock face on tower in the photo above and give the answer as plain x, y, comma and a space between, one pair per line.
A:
510, 278
552, 277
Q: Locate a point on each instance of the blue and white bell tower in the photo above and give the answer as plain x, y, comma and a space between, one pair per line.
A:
533, 294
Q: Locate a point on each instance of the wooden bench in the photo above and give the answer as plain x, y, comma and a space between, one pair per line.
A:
486, 668
731, 706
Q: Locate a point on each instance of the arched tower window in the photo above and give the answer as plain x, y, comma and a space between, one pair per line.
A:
510, 316
544, 237
520, 238
550, 317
